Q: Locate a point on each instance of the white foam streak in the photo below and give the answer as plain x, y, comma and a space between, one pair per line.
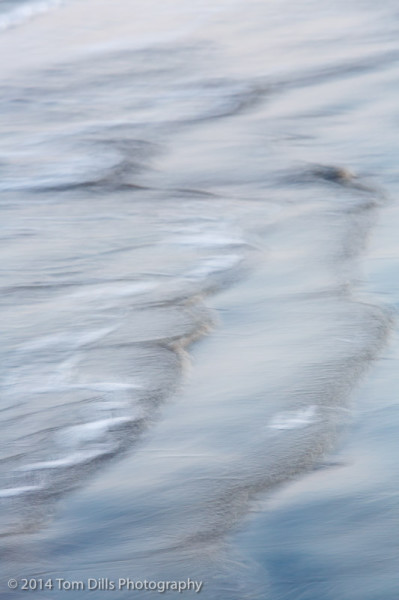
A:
106, 386
211, 240
92, 431
294, 419
23, 13
18, 491
102, 291
216, 264
69, 340
71, 460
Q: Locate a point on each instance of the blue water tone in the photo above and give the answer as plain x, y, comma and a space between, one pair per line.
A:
199, 257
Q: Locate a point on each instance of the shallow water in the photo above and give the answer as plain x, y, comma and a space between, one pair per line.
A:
198, 217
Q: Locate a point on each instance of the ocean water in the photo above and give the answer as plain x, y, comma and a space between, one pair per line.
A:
199, 291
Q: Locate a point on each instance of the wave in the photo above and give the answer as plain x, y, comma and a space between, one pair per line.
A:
24, 12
